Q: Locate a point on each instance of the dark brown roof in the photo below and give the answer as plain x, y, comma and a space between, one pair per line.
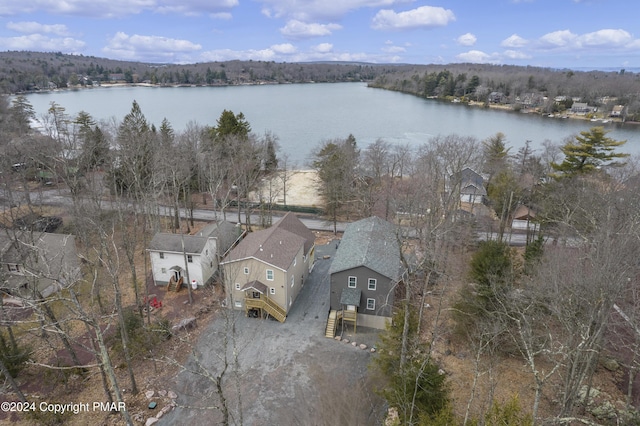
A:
277, 245
255, 285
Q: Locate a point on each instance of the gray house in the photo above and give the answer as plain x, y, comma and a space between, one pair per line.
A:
470, 184
34, 264
364, 275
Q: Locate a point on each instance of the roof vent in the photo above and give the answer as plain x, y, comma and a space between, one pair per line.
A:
260, 247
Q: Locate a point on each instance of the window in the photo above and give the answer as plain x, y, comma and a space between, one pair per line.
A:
206, 252
237, 286
269, 274
246, 270
371, 304
371, 284
211, 264
13, 268
161, 255
295, 260
353, 281
238, 304
164, 270
293, 281
189, 258
272, 290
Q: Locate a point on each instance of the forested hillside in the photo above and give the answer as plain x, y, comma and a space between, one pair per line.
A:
29, 71
521, 87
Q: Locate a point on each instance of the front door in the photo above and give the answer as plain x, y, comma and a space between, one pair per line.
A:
177, 275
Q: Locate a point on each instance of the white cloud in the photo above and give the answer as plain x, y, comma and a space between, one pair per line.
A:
314, 10
557, 39
35, 27
514, 54
393, 49
601, 39
192, 7
320, 52
221, 15
285, 48
323, 48
421, 17
114, 8
607, 37
467, 39
154, 48
297, 30
39, 42
514, 41
477, 57
243, 55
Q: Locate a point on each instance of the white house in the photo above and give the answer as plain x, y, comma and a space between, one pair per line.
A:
202, 251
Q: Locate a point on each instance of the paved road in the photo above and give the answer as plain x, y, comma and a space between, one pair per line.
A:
62, 197
290, 373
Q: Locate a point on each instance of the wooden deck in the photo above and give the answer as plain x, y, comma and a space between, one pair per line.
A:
266, 305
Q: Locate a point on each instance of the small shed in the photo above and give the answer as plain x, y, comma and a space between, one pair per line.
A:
524, 219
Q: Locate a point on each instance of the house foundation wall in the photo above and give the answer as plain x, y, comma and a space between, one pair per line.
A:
373, 321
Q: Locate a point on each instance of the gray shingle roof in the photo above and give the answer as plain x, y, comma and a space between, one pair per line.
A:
372, 243
350, 296
52, 258
163, 241
225, 233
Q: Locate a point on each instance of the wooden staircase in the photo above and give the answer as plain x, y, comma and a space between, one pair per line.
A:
274, 310
268, 306
332, 322
175, 285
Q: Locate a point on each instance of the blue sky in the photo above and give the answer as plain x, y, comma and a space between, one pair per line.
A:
551, 33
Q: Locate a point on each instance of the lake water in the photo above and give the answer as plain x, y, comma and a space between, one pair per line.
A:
303, 115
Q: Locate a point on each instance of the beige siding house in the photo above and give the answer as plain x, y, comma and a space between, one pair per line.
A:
264, 273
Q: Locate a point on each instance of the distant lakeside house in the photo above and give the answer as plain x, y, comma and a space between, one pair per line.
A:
172, 254
265, 272
364, 275
37, 264
470, 184
581, 108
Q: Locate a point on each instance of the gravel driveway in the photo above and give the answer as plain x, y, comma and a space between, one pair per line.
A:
290, 374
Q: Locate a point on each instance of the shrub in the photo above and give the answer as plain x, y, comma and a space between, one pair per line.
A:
142, 337
419, 376
13, 357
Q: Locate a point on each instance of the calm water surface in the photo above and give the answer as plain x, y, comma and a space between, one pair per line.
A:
303, 115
